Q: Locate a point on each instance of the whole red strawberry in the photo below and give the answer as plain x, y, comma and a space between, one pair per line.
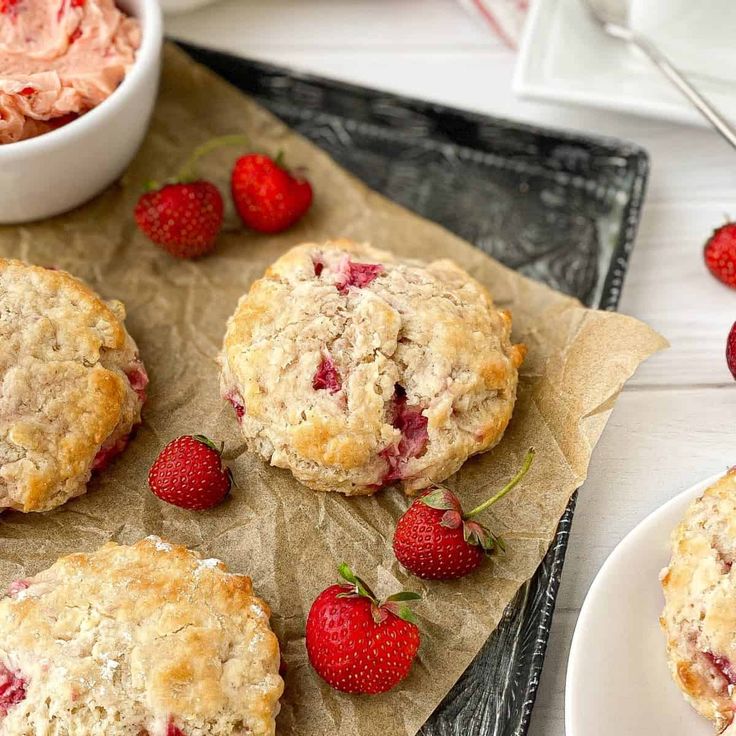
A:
720, 254
355, 643
188, 473
731, 350
268, 197
185, 214
435, 540
183, 218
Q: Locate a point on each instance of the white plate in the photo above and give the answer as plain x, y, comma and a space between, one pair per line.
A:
618, 681
566, 57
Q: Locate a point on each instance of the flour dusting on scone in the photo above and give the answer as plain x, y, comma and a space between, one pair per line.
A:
147, 639
699, 617
72, 385
355, 369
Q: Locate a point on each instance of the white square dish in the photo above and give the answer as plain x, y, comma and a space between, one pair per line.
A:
566, 57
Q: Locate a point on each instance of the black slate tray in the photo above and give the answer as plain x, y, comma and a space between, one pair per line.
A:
559, 207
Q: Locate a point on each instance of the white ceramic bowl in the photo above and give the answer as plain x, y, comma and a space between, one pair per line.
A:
64, 168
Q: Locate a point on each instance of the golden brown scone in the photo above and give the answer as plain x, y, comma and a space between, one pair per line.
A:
699, 617
72, 385
126, 641
354, 368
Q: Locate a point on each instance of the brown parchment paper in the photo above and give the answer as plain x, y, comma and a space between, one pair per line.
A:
288, 538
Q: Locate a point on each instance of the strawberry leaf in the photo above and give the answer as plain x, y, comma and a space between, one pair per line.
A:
442, 499
451, 520
400, 611
475, 533
406, 595
206, 441
407, 614
379, 613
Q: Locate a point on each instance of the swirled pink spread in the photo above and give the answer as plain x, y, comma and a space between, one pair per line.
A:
59, 59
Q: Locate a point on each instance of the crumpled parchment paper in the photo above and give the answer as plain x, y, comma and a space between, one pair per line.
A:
288, 538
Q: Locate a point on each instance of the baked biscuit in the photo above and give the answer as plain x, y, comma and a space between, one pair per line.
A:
72, 385
141, 640
354, 368
699, 617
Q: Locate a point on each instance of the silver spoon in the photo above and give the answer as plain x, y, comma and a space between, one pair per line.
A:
613, 15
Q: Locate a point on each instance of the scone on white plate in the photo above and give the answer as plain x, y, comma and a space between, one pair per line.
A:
699, 617
354, 368
72, 385
141, 640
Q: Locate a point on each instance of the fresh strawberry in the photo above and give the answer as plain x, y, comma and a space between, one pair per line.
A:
435, 540
184, 215
184, 219
355, 643
267, 196
720, 254
731, 350
188, 473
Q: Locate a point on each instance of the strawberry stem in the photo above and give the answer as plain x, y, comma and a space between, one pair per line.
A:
511, 484
360, 586
188, 171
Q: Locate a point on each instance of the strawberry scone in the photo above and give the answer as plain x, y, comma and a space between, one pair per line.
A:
72, 385
59, 59
356, 369
145, 640
699, 617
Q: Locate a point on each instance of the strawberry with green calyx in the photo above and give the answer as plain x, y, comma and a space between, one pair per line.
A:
269, 197
189, 473
436, 540
184, 214
357, 644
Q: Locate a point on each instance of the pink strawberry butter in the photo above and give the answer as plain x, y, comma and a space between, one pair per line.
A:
59, 59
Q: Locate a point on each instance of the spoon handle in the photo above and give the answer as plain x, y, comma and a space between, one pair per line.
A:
703, 105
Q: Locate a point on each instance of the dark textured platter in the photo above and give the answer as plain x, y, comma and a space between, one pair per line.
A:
559, 207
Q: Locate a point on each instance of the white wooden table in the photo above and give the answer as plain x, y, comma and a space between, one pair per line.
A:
674, 422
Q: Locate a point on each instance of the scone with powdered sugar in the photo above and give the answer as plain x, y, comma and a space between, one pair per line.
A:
141, 640
699, 617
355, 368
72, 385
